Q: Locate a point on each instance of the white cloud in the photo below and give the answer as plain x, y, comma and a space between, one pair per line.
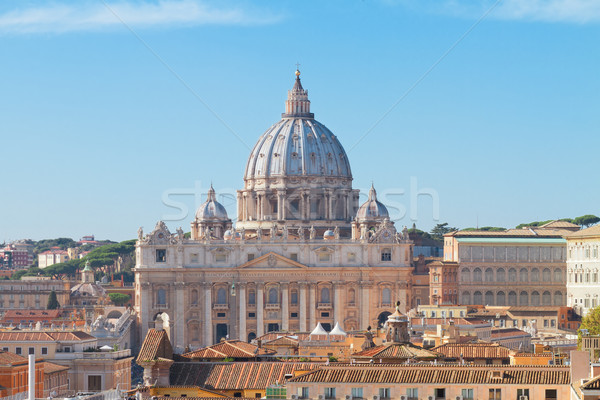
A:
86, 16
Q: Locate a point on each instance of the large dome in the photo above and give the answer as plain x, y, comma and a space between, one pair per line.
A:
298, 147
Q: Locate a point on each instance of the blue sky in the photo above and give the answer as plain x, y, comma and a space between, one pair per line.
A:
112, 110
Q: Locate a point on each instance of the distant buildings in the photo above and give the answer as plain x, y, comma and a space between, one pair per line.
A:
32, 292
583, 268
17, 255
525, 267
52, 256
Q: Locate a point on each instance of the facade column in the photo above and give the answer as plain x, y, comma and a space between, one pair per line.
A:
285, 312
306, 215
240, 206
260, 309
242, 311
337, 304
179, 316
258, 208
303, 306
208, 326
365, 287
145, 303
312, 321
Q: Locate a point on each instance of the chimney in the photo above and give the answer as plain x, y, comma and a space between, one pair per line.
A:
580, 365
31, 377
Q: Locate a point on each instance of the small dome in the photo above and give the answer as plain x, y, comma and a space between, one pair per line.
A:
372, 209
211, 209
329, 234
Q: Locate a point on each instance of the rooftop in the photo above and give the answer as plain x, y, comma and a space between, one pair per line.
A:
229, 349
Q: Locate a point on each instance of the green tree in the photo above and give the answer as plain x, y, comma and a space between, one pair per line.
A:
438, 231
53, 303
586, 220
119, 299
590, 325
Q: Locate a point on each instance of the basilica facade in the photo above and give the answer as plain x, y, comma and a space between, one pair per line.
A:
302, 250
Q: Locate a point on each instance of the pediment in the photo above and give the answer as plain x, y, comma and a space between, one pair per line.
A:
272, 260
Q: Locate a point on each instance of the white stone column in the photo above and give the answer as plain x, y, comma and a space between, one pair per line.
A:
337, 304
364, 305
312, 306
208, 326
146, 302
285, 312
303, 306
242, 311
179, 316
260, 309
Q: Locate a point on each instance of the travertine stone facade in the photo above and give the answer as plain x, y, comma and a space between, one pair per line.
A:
583, 267
301, 252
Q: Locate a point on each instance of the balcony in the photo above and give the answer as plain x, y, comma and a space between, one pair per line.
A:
324, 306
272, 306
220, 306
161, 306
93, 355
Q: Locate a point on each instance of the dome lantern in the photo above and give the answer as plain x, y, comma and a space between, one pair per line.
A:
297, 103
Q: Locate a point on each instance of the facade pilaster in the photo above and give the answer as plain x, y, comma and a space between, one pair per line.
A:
179, 316
312, 320
208, 326
260, 309
285, 312
242, 311
303, 306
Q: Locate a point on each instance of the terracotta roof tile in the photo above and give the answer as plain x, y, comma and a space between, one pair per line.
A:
473, 350
46, 336
50, 368
229, 348
234, 376
591, 231
156, 345
8, 358
401, 351
593, 384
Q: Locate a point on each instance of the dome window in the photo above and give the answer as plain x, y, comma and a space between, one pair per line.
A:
329, 155
294, 155
294, 136
275, 154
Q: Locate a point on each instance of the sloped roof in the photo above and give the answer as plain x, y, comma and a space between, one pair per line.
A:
473, 350
15, 314
400, 351
50, 368
507, 332
7, 358
156, 345
432, 374
514, 233
591, 231
46, 336
282, 341
229, 349
592, 384
556, 224
236, 375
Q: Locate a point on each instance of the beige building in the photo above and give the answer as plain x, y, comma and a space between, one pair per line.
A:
52, 256
302, 250
32, 293
89, 368
583, 267
525, 267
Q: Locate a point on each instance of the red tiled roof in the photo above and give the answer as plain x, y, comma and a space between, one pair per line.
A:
282, 341
229, 349
45, 336
401, 351
8, 358
50, 368
593, 384
432, 374
50, 314
473, 350
156, 345
236, 375
591, 231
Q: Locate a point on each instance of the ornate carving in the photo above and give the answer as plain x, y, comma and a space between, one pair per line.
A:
312, 232
272, 260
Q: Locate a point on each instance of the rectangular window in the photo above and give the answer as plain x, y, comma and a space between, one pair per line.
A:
551, 394
467, 394
324, 315
522, 392
351, 257
294, 315
294, 256
31, 350
18, 351
251, 315
386, 254
219, 257
412, 393
194, 258
161, 255
324, 257
495, 394
221, 315
250, 256
5, 349
545, 323
330, 393
357, 393
303, 392
384, 393
44, 351
440, 393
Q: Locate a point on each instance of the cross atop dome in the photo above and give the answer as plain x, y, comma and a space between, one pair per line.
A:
297, 103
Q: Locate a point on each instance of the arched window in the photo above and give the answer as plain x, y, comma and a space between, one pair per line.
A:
386, 254
500, 299
489, 275
500, 275
535, 275
251, 336
546, 275
558, 298
465, 275
294, 297
325, 295
351, 296
273, 297
558, 276
252, 297
523, 299
194, 297
477, 275
523, 275
477, 298
535, 298
386, 296
489, 298
161, 297
512, 275
221, 296
194, 332
512, 298
546, 299
466, 298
